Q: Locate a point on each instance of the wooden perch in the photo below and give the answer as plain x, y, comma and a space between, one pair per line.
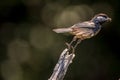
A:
64, 61
62, 65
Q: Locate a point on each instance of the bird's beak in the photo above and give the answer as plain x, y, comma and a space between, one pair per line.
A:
109, 19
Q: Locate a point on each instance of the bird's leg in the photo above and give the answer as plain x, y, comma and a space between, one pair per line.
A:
78, 42
70, 44
73, 50
74, 39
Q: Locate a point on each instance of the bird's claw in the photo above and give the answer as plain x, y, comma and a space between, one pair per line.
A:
68, 45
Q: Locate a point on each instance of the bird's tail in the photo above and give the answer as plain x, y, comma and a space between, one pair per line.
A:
62, 30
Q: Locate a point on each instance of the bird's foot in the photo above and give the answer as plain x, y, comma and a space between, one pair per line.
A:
68, 45
70, 48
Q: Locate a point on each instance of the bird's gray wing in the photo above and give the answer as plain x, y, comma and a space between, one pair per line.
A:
87, 24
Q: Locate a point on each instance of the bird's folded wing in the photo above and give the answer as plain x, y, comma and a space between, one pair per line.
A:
87, 24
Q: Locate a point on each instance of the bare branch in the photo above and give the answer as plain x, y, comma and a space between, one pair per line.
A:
64, 61
62, 65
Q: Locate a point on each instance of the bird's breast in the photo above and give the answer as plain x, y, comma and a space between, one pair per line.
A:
97, 29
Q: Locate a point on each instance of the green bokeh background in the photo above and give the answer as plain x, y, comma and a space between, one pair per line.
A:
29, 49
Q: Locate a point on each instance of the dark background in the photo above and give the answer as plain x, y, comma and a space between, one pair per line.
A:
29, 49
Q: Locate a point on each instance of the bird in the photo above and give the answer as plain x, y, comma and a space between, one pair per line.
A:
86, 29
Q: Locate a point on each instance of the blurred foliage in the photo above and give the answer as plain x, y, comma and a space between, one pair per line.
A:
29, 49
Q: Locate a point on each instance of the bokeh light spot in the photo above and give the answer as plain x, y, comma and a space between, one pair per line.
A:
72, 15
49, 12
11, 70
19, 51
41, 38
